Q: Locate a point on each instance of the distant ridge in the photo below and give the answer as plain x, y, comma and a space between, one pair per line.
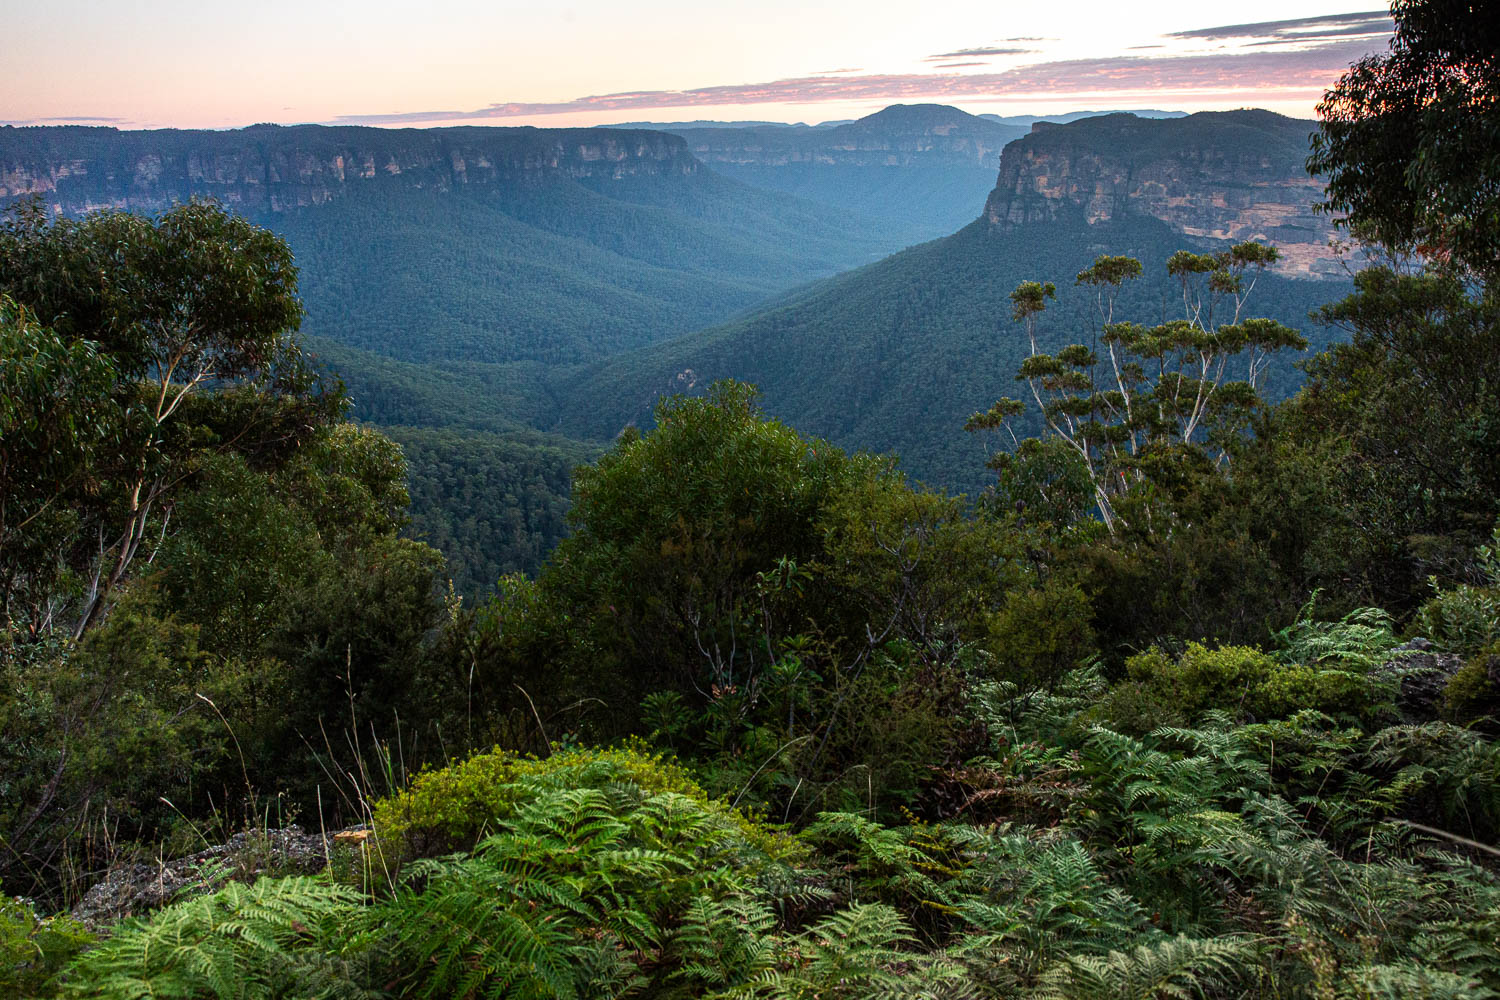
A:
1026, 121
707, 123
923, 167
473, 243
1019, 121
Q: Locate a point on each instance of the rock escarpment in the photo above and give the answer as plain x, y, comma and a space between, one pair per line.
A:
1236, 175
268, 169
900, 136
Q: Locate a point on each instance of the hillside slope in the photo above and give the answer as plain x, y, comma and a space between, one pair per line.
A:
895, 356
493, 244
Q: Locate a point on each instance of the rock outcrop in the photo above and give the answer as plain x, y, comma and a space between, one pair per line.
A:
1424, 674
133, 889
1235, 175
267, 169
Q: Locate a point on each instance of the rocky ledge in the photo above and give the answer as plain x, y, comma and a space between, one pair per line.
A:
132, 889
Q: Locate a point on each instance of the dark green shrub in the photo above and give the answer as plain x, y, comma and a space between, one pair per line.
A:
1041, 633
1241, 681
1472, 691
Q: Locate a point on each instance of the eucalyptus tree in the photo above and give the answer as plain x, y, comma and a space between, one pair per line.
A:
1409, 139
1142, 396
195, 313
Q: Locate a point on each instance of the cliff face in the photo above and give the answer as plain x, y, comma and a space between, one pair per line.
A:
268, 169
899, 136
1227, 176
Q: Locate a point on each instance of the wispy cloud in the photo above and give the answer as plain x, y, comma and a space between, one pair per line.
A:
1302, 30
968, 53
1306, 56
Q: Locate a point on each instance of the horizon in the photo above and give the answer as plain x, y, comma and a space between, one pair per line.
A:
592, 64
657, 125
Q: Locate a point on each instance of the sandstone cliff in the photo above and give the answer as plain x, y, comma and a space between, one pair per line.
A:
269, 169
903, 135
1236, 175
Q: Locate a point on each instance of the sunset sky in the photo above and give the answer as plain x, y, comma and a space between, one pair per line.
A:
202, 64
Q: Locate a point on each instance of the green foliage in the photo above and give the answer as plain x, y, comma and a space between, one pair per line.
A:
33, 948
1465, 618
1461, 620
1040, 634
1473, 691
1401, 490
194, 313
1406, 137
492, 504
1245, 681
454, 807
275, 938
577, 886
1361, 640
56, 418
1179, 968
686, 567
114, 726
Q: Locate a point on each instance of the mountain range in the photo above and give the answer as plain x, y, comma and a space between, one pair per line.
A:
531, 291
471, 243
895, 355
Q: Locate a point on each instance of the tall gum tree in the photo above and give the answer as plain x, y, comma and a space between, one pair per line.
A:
191, 305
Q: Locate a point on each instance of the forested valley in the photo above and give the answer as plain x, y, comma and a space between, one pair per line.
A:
1197, 696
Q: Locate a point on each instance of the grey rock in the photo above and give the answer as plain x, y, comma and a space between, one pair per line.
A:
1424, 674
131, 889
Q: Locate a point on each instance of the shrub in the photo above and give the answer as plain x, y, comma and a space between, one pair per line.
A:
1472, 691
454, 807
1202, 678
1467, 618
1043, 632
1463, 620
1237, 679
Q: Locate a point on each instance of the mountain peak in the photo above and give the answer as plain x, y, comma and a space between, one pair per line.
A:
907, 119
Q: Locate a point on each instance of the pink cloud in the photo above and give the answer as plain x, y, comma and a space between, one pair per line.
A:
1254, 75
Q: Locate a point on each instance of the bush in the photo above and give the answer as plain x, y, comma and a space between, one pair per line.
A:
1463, 620
455, 807
110, 727
1239, 680
1472, 692
1042, 633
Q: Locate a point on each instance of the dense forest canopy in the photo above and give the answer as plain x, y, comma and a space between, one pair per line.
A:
1199, 697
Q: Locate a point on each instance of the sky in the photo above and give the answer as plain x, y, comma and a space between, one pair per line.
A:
210, 64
